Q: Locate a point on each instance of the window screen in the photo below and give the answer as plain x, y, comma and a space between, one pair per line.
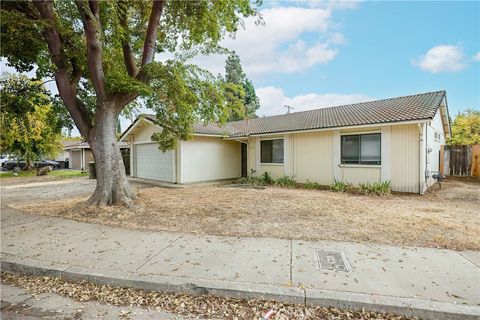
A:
370, 152
271, 151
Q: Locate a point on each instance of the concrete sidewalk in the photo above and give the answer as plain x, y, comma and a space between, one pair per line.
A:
428, 283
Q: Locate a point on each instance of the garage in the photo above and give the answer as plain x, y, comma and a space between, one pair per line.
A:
151, 163
76, 159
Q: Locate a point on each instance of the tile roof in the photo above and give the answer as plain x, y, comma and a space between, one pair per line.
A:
210, 128
408, 108
85, 145
69, 143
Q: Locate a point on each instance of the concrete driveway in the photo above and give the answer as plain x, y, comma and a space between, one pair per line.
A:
30, 189
43, 190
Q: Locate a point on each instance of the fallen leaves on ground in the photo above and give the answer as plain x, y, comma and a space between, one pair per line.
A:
445, 218
205, 306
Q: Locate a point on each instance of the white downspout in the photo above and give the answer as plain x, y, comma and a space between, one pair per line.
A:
426, 156
83, 159
420, 162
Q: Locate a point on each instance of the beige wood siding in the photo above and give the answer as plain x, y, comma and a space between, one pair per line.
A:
275, 170
405, 158
144, 132
88, 158
210, 158
357, 173
361, 174
312, 159
433, 148
251, 160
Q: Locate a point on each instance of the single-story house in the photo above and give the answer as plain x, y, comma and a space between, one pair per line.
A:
63, 156
396, 139
79, 154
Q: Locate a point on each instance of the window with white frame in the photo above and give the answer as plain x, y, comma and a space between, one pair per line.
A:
437, 136
271, 151
361, 149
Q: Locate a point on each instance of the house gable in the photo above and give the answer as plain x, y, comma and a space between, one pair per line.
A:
444, 115
140, 130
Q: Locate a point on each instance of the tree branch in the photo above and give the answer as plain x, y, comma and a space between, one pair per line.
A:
148, 50
92, 26
65, 88
152, 32
128, 56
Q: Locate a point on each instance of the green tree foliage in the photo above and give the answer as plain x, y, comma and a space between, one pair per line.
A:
245, 90
101, 55
128, 45
31, 125
466, 128
233, 69
252, 103
187, 93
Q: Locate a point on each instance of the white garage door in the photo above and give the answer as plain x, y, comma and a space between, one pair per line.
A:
153, 163
76, 160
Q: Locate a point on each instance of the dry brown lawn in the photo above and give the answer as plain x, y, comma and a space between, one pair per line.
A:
446, 218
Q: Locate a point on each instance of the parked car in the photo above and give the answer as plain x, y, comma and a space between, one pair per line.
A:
17, 165
3, 159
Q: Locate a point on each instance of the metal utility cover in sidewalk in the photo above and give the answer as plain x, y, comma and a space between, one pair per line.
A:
332, 260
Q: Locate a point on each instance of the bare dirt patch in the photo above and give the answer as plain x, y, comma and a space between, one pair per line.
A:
446, 218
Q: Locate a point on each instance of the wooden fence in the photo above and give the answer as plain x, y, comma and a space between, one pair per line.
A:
460, 160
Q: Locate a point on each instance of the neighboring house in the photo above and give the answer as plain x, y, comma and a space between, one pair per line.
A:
64, 154
80, 155
395, 139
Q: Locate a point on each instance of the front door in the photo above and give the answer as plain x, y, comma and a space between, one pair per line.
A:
244, 159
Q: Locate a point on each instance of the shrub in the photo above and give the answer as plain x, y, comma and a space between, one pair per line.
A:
340, 186
312, 185
377, 188
243, 180
286, 182
263, 180
249, 179
266, 179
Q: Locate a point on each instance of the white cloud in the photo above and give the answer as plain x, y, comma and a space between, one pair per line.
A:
276, 46
477, 57
299, 57
334, 4
273, 100
5, 69
442, 58
336, 38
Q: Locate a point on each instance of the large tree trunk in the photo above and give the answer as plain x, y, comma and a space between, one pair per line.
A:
112, 185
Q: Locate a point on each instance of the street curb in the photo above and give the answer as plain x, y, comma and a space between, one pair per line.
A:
422, 309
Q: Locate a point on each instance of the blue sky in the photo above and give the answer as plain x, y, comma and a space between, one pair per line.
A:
361, 51
313, 54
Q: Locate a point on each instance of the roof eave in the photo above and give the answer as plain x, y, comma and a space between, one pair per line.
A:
132, 127
127, 132
208, 135
379, 124
447, 116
